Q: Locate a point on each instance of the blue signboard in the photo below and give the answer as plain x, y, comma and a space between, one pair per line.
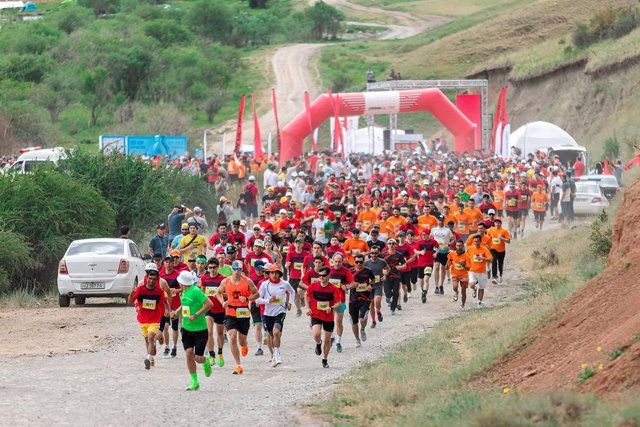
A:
145, 145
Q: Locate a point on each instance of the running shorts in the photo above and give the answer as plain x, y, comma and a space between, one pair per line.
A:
405, 277
164, 321
277, 322
524, 213
514, 215
377, 291
425, 271
415, 273
479, 278
441, 257
327, 325
539, 216
294, 284
241, 325
358, 310
256, 317
218, 318
149, 328
463, 280
196, 340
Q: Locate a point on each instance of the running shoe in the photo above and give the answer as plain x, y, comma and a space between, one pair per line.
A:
207, 367
358, 344
424, 297
193, 387
373, 324
259, 352
380, 318
299, 313
166, 352
147, 364
399, 307
153, 362
339, 348
500, 279
480, 304
325, 364
406, 298
437, 291
363, 335
441, 290
174, 352
455, 297
220, 361
319, 348
494, 281
238, 370
277, 360
244, 350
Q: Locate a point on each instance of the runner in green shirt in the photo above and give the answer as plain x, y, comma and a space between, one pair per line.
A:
194, 305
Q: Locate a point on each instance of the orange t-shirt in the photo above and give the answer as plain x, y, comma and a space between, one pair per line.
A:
463, 222
539, 201
354, 247
450, 217
367, 218
396, 222
485, 240
478, 266
458, 261
427, 221
498, 199
496, 243
476, 216
234, 291
386, 228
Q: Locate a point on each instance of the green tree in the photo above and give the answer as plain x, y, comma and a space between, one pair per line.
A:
167, 32
214, 102
101, 7
129, 68
326, 20
96, 91
71, 18
211, 19
27, 67
60, 90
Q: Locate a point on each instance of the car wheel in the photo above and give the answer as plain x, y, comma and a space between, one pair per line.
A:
64, 300
80, 300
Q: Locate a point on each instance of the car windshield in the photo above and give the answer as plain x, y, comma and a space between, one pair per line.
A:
587, 187
97, 248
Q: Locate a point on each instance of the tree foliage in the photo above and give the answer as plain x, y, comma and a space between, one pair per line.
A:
326, 20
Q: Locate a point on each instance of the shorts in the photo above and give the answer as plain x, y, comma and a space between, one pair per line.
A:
163, 321
463, 280
196, 340
555, 199
256, 317
479, 278
342, 308
327, 325
358, 310
274, 321
415, 272
425, 271
250, 211
538, 216
149, 328
514, 215
294, 284
524, 213
441, 258
405, 277
218, 318
377, 291
241, 325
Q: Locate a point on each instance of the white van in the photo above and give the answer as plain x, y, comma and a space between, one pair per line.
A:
30, 159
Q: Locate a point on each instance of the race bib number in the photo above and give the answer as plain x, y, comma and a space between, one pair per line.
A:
477, 258
355, 251
540, 205
210, 290
322, 305
523, 197
338, 214
376, 279
242, 313
511, 202
186, 311
367, 224
495, 241
404, 210
336, 282
148, 304
497, 199
320, 234
285, 250
458, 266
362, 287
462, 227
428, 270
297, 266
315, 279
279, 300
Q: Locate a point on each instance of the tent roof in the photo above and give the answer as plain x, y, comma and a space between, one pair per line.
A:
11, 5
539, 136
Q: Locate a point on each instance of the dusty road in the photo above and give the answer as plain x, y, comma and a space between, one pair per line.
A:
83, 366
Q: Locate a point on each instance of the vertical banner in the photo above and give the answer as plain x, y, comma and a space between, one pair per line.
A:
236, 150
307, 108
278, 136
470, 106
257, 140
338, 141
224, 145
269, 138
506, 127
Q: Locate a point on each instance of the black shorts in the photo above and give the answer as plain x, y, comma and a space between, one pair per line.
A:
196, 340
358, 310
294, 284
256, 317
405, 277
415, 273
514, 215
241, 325
422, 272
326, 325
539, 215
524, 213
164, 321
174, 323
441, 258
218, 318
250, 211
274, 321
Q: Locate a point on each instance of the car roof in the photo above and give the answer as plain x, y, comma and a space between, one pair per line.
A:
103, 240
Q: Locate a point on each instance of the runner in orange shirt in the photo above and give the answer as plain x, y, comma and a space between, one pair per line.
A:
479, 256
474, 213
367, 216
499, 238
498, 198
458, 264
396, 220
386, 227
355, 245
485, 239
463, 222
539, 201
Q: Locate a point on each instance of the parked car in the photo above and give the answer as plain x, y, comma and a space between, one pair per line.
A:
590, 199
37, 156
608, 183
99, 268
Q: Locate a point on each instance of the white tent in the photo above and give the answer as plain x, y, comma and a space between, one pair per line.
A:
11, 5
539, 136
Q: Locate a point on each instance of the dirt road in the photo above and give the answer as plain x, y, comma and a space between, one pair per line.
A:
83, 366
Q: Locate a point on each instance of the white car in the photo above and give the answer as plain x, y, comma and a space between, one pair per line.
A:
590, 199
99, 268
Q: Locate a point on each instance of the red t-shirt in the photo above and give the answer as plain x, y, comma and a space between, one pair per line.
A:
428, 247
310, 276
150, 303
341, 277
297, 261
250, 260
210, 287
511, 199
171, 279
319, 294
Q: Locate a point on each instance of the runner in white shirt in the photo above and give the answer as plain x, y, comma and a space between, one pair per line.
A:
444, 236
275, 294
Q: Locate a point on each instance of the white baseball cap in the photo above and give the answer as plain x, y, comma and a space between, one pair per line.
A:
252, 178
186, 278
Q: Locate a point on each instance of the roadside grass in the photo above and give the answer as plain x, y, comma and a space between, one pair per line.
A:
27, 298
612, 53
424, 382
435, 7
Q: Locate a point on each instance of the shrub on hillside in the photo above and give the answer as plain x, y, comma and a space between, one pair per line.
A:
45, 211
15, 257
608, 23
611, 147
600, 237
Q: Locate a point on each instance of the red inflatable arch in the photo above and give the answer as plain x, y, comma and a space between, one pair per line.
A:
371, 103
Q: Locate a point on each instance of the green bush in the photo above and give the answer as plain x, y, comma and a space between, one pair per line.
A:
611, 147
608, 23
600, 237
15, 255
48, 209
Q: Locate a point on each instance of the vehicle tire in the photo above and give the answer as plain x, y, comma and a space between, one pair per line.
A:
64, 301
80, 300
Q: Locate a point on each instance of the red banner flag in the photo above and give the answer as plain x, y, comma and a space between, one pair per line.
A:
307, 107
257, 140
236, 150
338, 144
275, 113
495, 140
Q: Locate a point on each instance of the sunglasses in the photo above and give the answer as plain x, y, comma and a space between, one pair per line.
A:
185, 231
359, 262
176, 257
191, 260
323, 275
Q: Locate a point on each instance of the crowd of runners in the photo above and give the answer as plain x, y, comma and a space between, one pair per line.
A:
324, 237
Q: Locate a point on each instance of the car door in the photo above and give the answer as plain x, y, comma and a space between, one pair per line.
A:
136, 260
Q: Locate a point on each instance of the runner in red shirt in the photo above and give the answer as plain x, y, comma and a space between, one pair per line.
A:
210, 283
424, 249
340, 276
294, 265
